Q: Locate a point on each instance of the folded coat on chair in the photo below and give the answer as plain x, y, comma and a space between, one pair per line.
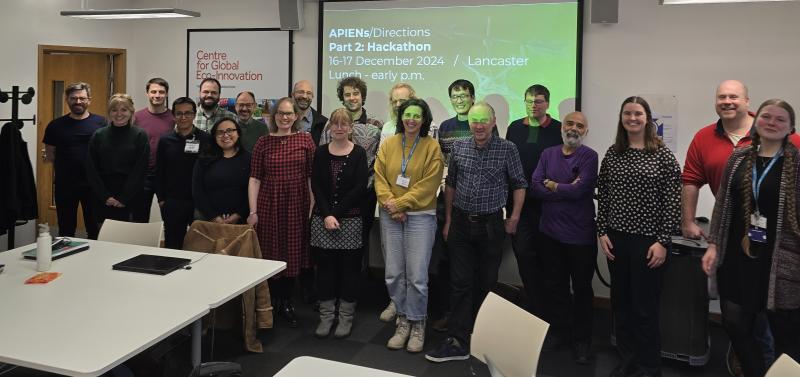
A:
236, 240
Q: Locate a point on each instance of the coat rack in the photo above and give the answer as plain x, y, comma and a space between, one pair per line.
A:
16, 97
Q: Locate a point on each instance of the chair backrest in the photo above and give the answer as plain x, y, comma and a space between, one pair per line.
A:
507, 338
143, 234
785, 366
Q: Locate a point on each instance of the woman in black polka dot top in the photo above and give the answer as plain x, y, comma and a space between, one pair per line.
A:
639, 191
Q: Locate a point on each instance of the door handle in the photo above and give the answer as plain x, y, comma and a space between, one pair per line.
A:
44, 155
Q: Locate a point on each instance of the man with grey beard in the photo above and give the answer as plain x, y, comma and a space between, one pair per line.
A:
564, 181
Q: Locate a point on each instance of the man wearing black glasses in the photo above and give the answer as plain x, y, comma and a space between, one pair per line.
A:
532, 134
252, 128
175, 157
66, 141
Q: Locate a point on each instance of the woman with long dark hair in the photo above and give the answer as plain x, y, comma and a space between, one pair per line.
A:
408, 172
754, 241
220, 177
639, 189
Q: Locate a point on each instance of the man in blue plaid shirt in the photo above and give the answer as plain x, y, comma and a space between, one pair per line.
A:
482, 170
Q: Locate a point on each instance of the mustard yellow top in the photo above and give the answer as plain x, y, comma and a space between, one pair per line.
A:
424, 170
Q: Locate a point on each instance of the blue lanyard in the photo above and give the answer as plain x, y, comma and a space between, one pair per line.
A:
404, 164
758, 181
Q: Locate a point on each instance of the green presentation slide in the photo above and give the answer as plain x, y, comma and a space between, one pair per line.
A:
501, 49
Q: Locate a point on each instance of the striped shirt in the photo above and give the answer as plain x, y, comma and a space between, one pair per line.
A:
483, 176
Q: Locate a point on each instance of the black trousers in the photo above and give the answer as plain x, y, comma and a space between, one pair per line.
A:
67, 199
785, 325
439, 271
108, 212
568, 312
476, 250
635, 301
338, 274
178, 215
140, 209
526, 243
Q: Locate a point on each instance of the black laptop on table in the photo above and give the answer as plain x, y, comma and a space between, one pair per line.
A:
152, 264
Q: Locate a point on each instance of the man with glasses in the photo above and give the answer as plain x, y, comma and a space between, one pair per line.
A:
252, 128
155, 120
175, 157
66, 141
483, 170
462, 97
310, 120
210, 92
532, 134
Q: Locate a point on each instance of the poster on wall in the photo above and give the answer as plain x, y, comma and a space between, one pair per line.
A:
255, 60
665, 115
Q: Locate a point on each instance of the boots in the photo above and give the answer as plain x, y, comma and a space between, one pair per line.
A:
326, 315
346, 312
388, 314
401, 333
417, 339
287, 312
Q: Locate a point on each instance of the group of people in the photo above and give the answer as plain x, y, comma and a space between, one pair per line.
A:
310, 186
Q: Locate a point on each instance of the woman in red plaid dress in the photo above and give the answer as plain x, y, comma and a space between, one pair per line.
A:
280, 200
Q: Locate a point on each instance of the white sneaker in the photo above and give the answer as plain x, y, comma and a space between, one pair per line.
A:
388, 314
401, 333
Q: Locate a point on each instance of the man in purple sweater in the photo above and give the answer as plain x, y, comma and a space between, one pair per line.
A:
564, 181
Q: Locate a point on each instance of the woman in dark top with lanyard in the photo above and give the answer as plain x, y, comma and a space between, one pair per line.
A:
639, 187
219, 182
754, 242
118, 155
339, 182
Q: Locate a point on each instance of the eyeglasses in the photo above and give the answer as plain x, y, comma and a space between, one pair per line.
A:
187, 114
228, 132
78, 99
284, 114
460, 97
536, 101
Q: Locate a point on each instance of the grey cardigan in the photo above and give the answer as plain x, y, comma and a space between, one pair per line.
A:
784, 277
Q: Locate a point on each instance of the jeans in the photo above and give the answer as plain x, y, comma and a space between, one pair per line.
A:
476, 250
407, 251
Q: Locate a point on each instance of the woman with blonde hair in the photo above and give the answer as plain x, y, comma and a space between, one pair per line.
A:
754, 240
339, 182
117, 159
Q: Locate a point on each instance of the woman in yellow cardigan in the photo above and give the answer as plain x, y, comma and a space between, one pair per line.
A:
408, 171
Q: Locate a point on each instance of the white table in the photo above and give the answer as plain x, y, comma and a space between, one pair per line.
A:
304, 366
93, 318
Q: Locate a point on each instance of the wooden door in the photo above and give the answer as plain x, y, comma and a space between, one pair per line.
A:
59, 66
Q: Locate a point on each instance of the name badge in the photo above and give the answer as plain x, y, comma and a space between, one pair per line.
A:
192, 146
759, 221
403, 181
757, 234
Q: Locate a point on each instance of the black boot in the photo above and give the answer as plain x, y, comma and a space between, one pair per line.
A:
287, 311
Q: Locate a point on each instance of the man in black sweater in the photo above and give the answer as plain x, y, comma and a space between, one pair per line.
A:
175, 158
532, 134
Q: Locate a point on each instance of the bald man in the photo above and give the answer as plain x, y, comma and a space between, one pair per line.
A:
311, 120
564, 181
